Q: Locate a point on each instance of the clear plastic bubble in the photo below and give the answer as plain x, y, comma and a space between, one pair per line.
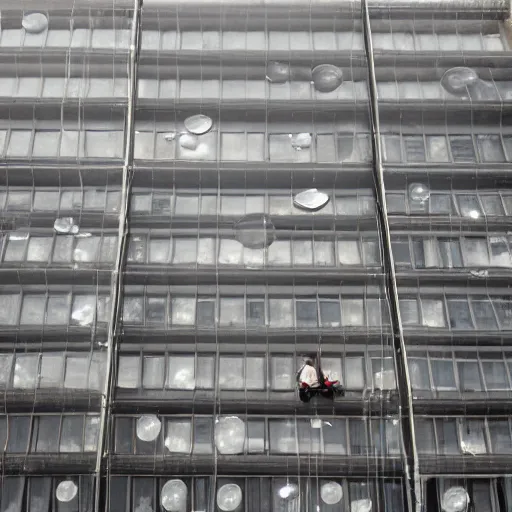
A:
331, 493
66, 491
457, 80
364, 505
311, 199
301, 141
229, 497
455, 499
278, 72
289, 491
65, 225
148, 427
255, 231
174, 496
418, 192
327, 77
35, 22
230, 435
170, 136
189, 141
198, 124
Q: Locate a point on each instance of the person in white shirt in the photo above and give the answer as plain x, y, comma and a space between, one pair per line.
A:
308, 375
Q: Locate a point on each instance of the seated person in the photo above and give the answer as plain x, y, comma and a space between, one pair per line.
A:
308, 376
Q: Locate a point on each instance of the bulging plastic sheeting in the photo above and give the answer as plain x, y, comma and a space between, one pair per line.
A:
174, 496
229, 435
65, 226
364, 505
255, 231
331, 493
278, 72
229, 497
35, 22
66, 491
189, 141
198, 124
418, 192
327, 78
289, 491
311, 199
148, 427
465, 83
300, 141
455, 499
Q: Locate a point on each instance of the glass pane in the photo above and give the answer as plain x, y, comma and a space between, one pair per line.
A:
309, 436
71, 434
32, 309
331, 368
469, 376
352, 312
92, 427
443, 375
282, 373
282, 436
475, 252
418, 372
349, 252
409, 311
460, 317
19, 430
51, 372
335, 436
484, 314
358, 440
501, 441
280, 311
205, 372
307, 315
153, 372
255, 372
25, 371
447, 436
181, 372
450, 253
77, 370
179, 436
9, 308
330, 313
425, 439
45, 434
203, 435
433, 313
504, 311
231, 372
128, 372
495, 375
354, 373
473, 437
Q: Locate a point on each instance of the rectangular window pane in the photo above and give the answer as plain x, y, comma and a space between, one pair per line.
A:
501, 441
433, 313
203, 435
181, 372
282, 436
358, 440
71, 435
179, 436
469, 376
231, 372
26, 369
331, 368
45, 434
475, 252
443, 375
280, 311
460, 317
484, 314
128, 372
354, 373
335, 436
418, 372
309, 435
447, 436
495, 375
473, 437
153, 372
52, 369
307, 315
425, 439
330, 313
282, 373
352, 312
255, 372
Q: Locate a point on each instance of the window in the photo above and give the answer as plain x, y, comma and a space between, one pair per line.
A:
418, 373
443, 374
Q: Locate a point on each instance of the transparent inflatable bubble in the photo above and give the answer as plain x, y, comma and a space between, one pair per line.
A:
148, 427
189, 141
170, 136
327, 77
255, 231
66, 491
65, 226
278, 72
289, 491
331, 493
364, 505
229, 497
418, 192
35, 22
174, 496
311, 199
300, 141
455, 499
457, 80
198, 124
230, 435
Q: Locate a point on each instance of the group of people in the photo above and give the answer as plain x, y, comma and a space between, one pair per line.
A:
313, 382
